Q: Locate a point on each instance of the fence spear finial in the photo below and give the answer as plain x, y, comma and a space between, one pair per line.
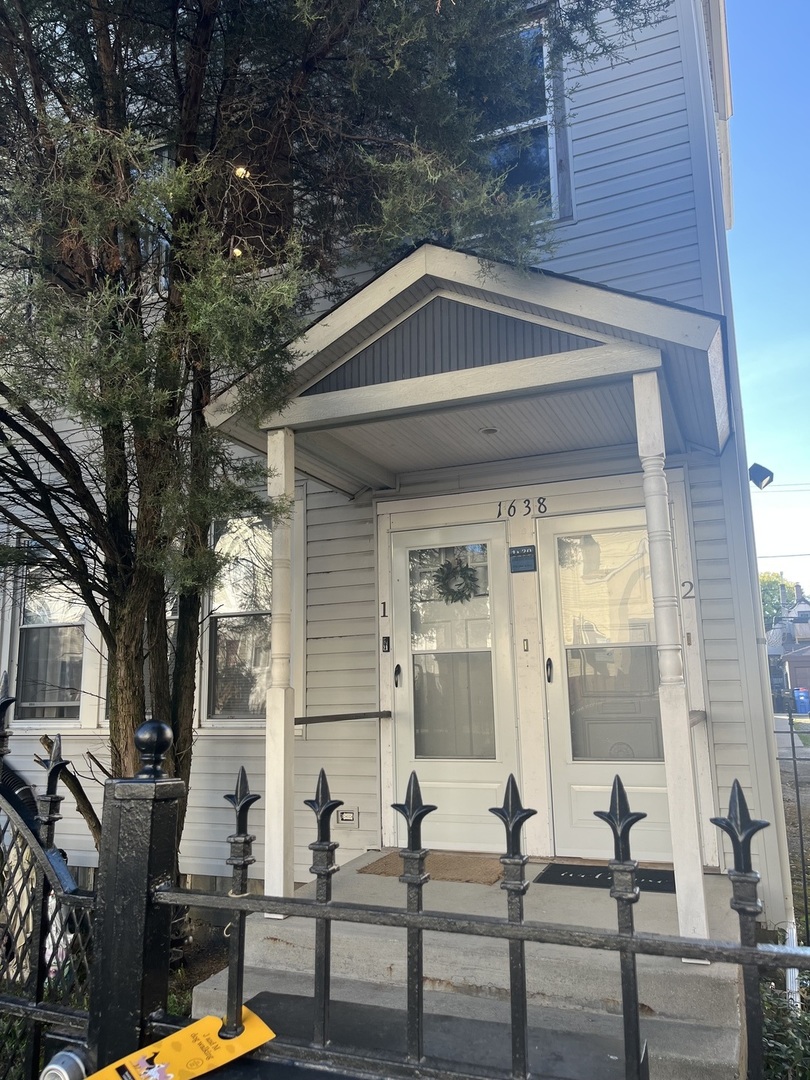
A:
242, 800
414, 811
514, 815
323, 806
740, 827
621, 820
6, 701
54, 766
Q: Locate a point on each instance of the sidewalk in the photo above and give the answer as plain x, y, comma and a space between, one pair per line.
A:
801, 726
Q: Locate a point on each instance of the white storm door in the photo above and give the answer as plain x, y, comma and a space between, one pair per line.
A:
453, 694
602, 681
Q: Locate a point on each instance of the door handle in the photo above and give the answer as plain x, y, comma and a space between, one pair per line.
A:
397, 675
549, 669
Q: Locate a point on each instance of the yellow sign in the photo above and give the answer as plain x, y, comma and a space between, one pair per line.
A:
190, 1052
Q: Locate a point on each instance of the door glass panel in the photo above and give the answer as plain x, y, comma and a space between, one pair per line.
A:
611, 657
451, 641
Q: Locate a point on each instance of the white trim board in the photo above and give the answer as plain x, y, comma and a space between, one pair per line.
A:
468, 386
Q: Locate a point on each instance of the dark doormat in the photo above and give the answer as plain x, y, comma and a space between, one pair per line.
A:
600, 877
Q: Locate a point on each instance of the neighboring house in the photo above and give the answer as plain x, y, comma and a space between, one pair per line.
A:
797, 667
522, 536
789, 645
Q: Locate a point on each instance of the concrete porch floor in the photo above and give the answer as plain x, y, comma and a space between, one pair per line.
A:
690, 1012
568, 904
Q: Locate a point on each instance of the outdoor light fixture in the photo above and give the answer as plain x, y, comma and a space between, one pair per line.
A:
760, 476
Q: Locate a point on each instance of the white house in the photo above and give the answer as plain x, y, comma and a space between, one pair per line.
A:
522, 536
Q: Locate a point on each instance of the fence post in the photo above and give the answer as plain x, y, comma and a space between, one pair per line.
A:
625, 892
6, 701
323, 867
39, 947
132, 936
741, 828
414, 876
514, 815
241, 857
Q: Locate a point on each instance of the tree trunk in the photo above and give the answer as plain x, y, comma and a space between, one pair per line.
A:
125, 682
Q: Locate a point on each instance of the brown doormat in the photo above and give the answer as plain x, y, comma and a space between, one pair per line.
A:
458, 866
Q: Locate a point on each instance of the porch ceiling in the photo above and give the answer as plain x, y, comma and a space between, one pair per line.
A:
377, 453
496, 431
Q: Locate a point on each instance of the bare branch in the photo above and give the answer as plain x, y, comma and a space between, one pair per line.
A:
76, 789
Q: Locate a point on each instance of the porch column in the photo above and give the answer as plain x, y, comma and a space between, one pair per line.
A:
280, 728
682, 795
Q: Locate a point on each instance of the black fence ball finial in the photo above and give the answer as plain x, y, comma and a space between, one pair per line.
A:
153, 740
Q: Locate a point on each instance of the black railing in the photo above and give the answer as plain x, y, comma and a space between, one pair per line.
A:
46, 927
797, 790
124, 1006
332, 718
752, 958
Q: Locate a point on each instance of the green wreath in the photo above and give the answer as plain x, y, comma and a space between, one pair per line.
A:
456, 582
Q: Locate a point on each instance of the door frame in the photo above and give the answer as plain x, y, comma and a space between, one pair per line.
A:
622, 490
576, 836
454, 772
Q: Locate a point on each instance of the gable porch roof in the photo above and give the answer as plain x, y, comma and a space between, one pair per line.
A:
445, 361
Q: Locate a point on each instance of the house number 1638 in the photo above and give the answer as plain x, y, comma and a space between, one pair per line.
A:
522, 507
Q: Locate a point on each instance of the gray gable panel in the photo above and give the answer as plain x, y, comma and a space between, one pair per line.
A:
446, 335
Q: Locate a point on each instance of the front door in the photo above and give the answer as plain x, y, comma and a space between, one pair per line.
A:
602, 680
453, 698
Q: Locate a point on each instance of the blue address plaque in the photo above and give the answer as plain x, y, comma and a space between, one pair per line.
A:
523, 560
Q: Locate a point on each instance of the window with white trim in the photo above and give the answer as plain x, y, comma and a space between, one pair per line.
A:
527, 145
51, 647
239, 622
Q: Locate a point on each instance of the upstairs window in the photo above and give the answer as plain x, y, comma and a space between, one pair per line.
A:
523, 157
49, 674
521, 135
239, 627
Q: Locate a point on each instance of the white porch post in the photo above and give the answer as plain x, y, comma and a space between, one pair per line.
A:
681, 787
280, 729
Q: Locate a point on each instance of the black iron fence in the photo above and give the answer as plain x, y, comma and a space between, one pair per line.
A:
45, 923
92, 971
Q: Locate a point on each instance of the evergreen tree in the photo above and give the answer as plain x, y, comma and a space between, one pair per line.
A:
181, 177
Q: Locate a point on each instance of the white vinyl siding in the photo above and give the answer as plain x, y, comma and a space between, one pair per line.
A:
726, 711
72, 833
635, 218
210, 819
341, 672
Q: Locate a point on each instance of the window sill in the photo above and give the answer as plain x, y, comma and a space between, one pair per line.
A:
236, 725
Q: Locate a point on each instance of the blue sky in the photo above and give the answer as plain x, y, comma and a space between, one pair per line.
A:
769, 248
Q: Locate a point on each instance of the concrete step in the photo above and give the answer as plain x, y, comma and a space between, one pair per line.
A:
561, 976
690, 1012
564, 1043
